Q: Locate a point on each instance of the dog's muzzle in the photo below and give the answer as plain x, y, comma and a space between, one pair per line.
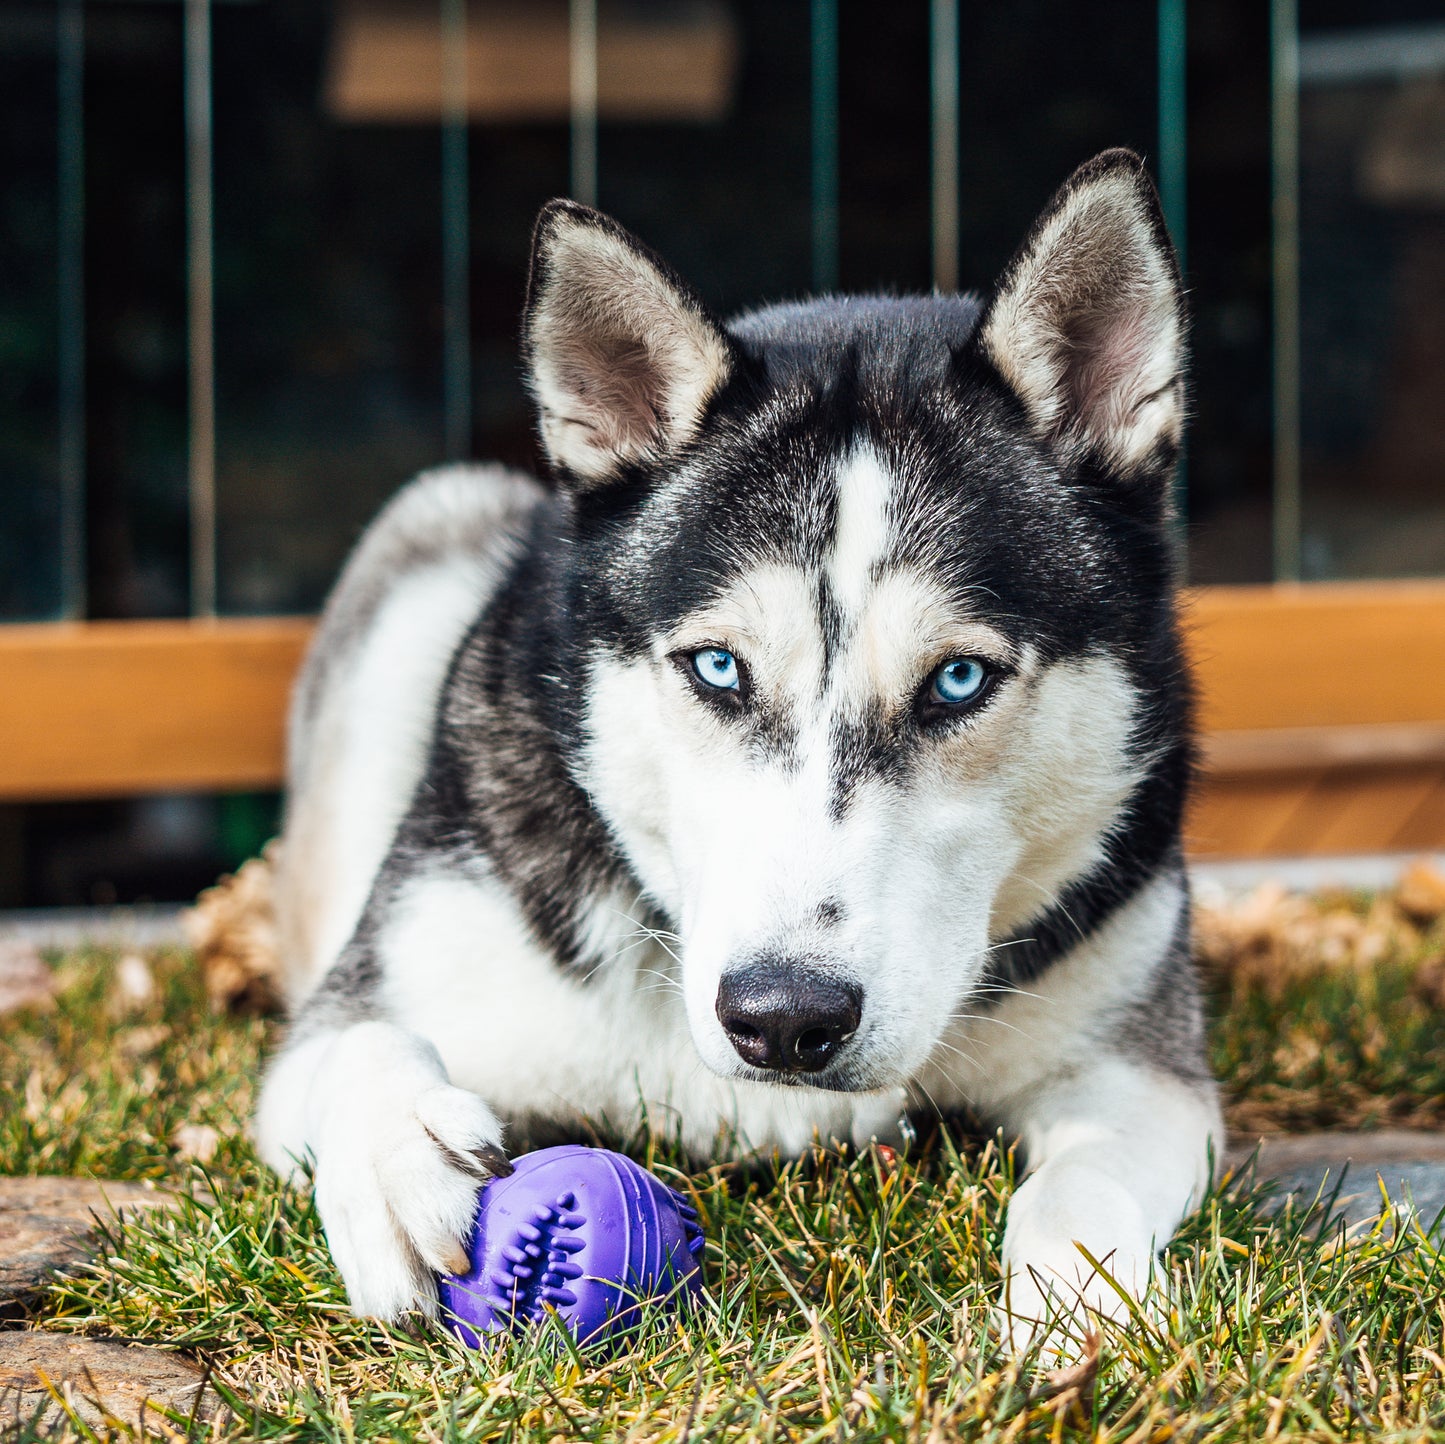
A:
784, 1020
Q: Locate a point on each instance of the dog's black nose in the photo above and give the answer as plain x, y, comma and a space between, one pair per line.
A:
787, 1020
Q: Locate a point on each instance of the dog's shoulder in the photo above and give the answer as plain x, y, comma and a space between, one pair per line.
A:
365, 707
461, 520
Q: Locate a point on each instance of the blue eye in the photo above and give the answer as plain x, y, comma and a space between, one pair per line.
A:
716, 667
959, 681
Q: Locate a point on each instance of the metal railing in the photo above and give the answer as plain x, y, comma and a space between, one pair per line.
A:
946, 141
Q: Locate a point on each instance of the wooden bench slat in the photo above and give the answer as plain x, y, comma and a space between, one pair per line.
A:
103, 709
1297, 684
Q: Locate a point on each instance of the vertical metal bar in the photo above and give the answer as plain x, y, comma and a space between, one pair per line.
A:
943, 56
825, 144
582, 35
70, 266
1284, 98
1173, 121
201, 308
456, 235
1173, 186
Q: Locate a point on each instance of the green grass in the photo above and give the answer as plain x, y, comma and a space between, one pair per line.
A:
847, 1298
1356, 1049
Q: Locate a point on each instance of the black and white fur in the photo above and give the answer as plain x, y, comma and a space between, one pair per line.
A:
535, 870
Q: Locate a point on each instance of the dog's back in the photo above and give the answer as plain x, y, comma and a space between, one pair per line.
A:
364, 709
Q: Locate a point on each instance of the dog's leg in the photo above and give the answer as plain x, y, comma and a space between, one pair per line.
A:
399, 1154
1118, 1153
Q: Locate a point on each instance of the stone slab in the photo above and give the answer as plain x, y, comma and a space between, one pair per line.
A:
105, 1382
1370, 871
46, 1224
1307, 1165
139, 926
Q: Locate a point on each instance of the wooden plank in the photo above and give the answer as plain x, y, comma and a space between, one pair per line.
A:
1241, 817
1424, 829
1298, 684
1352, 810
1324, 718
661, 63
110, 708
1318, 814
1308, 749
1327, 655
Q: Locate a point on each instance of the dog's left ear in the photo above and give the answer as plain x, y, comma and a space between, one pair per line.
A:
622, 357
1086, 324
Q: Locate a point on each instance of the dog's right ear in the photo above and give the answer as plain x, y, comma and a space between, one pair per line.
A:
622, 358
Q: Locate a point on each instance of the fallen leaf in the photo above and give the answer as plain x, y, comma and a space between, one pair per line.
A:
135, 985
137, 1042
25, 980
232, 927
37, 1096
196, 1140
1421, 894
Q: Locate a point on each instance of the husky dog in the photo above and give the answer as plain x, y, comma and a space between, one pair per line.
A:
813, 749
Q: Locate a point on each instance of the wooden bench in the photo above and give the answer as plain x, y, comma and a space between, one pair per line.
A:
1323, 713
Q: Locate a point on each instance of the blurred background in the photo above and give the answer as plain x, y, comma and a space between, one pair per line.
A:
261, 260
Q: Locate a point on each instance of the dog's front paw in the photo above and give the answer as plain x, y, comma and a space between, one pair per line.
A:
1076, 1253
401, 1156
1060, 1302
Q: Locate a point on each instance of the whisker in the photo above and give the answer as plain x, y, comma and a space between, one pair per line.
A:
1012, 990
1055, 900
643, 927
967, 1057
664, 980
1007, 943
989, 1018
932, 1101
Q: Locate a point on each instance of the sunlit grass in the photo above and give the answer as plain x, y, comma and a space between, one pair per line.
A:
848, 1295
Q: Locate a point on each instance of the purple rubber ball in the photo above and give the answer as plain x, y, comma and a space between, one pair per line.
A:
584, 1231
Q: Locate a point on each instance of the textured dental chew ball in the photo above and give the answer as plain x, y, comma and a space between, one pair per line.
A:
584, 1231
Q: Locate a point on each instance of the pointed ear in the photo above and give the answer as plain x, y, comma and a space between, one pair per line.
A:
1087, 323
622, 357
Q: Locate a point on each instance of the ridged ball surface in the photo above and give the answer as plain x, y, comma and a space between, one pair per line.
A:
584, 1231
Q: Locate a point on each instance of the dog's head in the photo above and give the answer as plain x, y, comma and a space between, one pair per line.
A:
876, 600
